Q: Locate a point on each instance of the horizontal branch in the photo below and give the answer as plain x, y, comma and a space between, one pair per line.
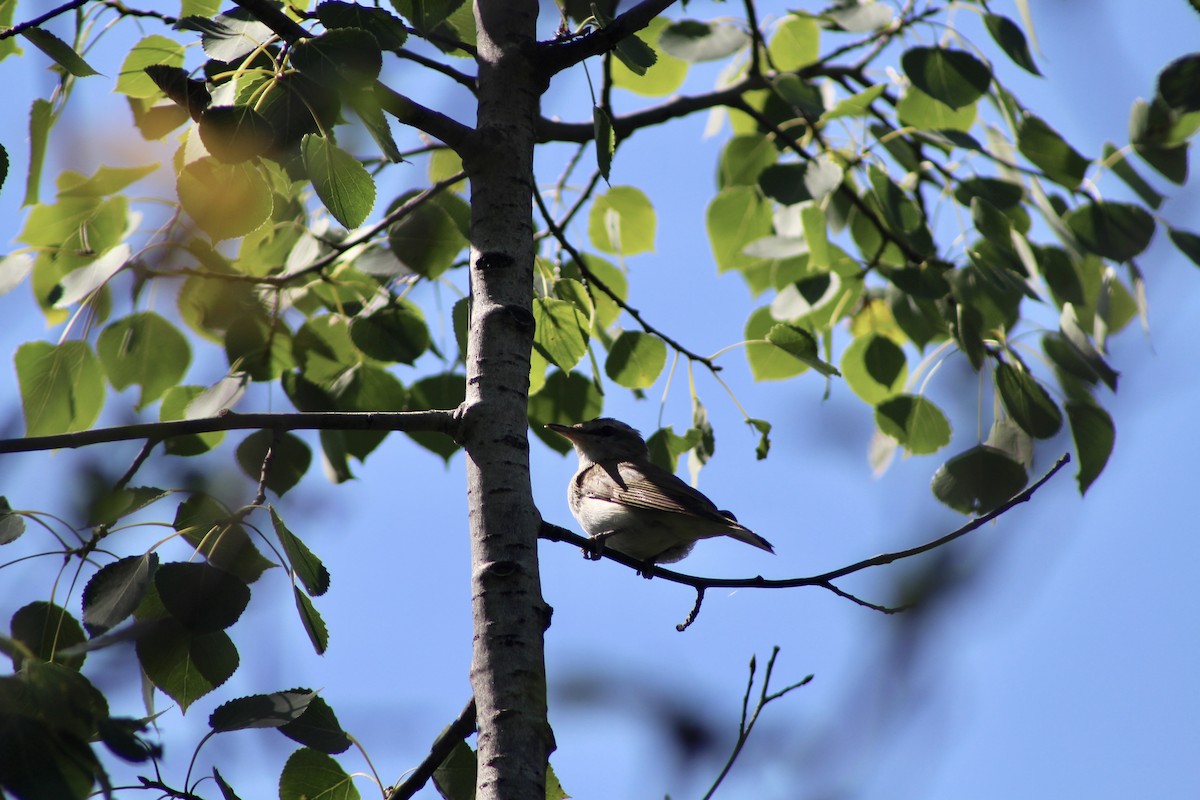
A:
560, 54
435, 421
825, 580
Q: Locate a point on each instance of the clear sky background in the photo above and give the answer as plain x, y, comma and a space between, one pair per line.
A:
1061, 663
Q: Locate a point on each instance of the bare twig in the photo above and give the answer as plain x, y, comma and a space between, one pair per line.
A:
824, 580
746, 725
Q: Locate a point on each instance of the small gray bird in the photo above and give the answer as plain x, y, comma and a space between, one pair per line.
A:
627, 503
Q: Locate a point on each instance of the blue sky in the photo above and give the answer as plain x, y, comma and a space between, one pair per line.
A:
1063, 664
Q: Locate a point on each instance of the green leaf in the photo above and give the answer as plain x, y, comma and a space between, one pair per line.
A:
857, 105
45, 629
930, 114
428, 239
991, 222
307, 567
622, 221
1188, 243
800, 344
12, 525
152, 51
768, 362
606, 141
635, 359
340, 180
1094, 434
953, 77
1011, 39
915, 422
176, 83
388, 29
63, 54
1027, 401
116, 590
260, 711
62, 387
201, 597
108, 507
345, 57
233, 134
816, 232
690, 40
314, 626
395, 333
638, 68
737, 216
186, 665
290, 459
318, 728
456, 776
206, 525
82, 283
794, 183
561, 334
1117, 231
666, 446
874, 367
978, 480
856, 17
232, 35
261, 348
41, 119
145, 349
225, 200
795, 43
104, 182
1179, 84
1047, 150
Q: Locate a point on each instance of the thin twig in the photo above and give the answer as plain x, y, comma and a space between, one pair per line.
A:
745, 726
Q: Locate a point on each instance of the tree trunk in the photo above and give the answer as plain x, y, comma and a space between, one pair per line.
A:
508, 669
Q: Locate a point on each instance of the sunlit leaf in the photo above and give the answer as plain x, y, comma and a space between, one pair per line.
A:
340, 180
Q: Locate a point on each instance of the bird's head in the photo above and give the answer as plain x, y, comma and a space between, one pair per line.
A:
604, 439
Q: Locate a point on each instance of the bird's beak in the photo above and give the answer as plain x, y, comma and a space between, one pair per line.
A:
565, 431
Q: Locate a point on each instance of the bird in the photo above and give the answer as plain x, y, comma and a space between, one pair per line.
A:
627, 503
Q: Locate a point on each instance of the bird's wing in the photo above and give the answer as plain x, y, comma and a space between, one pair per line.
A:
658, 490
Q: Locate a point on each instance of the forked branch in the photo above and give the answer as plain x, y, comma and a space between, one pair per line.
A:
825, 580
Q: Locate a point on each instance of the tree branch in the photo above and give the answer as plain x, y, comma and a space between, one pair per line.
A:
824, 580
435, 421
458, 730
554, 57
36, 21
